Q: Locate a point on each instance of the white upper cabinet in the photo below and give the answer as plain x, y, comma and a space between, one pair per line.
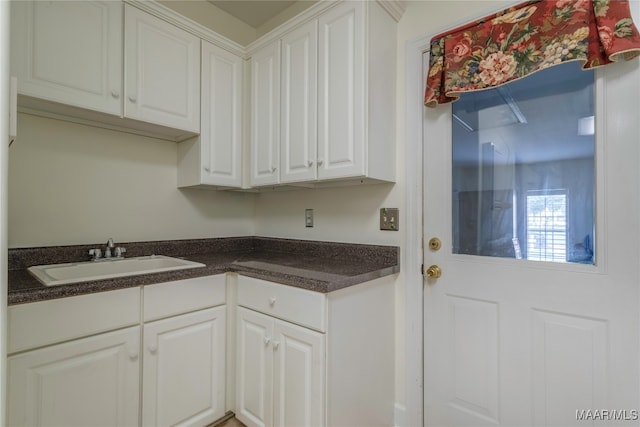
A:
336, 99
215, 157
356, 86
298, 104
93, 62
69, 52
162, 72
341, 88
265, 117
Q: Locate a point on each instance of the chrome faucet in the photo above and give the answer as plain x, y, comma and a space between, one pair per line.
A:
111, 251
109, 248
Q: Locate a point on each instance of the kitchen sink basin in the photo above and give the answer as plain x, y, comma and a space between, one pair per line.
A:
62, 274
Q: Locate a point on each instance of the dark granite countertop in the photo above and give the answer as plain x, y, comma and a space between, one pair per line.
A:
317, 266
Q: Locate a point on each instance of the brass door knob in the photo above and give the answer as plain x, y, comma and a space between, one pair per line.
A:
434, 272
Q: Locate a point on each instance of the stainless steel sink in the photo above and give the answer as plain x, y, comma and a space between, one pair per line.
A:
62, 274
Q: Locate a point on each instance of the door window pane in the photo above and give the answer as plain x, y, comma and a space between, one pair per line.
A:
524, 168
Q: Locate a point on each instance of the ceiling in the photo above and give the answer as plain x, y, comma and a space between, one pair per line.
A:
253, 12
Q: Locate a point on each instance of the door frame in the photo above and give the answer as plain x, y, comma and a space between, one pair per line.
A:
413, 259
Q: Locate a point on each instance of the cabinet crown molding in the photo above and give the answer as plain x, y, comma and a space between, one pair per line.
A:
395, 8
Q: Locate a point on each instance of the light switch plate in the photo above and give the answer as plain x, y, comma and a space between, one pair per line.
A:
389, 219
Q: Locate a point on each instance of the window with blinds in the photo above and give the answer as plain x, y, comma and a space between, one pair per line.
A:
547, 226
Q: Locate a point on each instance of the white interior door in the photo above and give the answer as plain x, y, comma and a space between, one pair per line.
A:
519, 342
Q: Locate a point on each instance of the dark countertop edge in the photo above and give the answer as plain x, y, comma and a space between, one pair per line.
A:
24, 296
44, 293
316, 285
381, 261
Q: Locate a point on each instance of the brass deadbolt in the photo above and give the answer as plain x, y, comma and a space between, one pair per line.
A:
434, 272
435, 244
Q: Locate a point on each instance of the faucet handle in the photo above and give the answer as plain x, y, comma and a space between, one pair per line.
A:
95, 254
119, 252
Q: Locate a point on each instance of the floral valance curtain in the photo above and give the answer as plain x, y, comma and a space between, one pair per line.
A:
526, 38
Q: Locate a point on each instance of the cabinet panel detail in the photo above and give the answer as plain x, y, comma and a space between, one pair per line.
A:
299, 104
69, 52
162, 69
341, 89
184, 369
91, 381
298, 376
265, 115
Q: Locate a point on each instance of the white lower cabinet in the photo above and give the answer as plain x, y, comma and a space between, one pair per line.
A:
280, 371
163, 355
308, 359
184, 352
81, 361
75, 361
184, 369
86, 382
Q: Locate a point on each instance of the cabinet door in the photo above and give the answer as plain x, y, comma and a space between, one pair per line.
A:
162, 72
87, 382
184, 369
254, 368
341, 88
69, 52
221, 136
298, 376
265, 115
299, 101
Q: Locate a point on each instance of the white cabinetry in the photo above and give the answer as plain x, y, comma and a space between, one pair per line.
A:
297, 362
162, 72
184, 369
356, 86
336, 99
72, 62
69, 52
280, 365
89, 381
299, 132
215, 157
184, 352
64, 369
280, 372
265, 115
79, 361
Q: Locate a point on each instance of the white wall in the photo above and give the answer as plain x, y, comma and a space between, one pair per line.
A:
76, 184
345, 214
